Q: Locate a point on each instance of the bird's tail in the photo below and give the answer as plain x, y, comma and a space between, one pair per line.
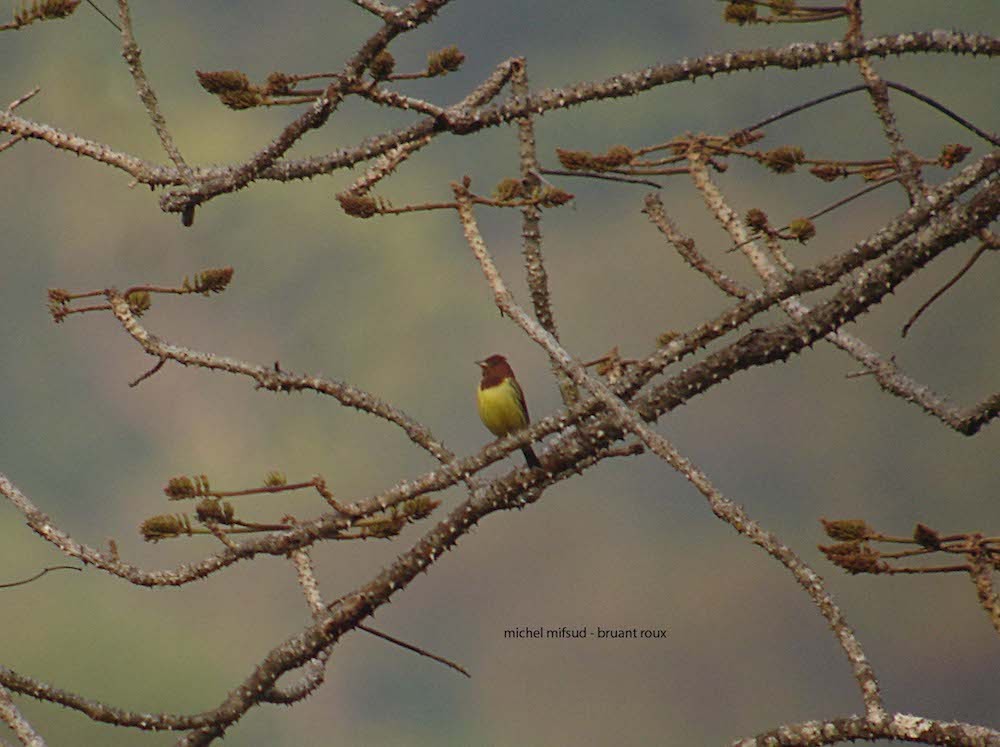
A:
530, 458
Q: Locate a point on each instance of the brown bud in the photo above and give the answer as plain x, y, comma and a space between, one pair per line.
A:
740, 13
783, 160
237, 100
164, 526
742, 138
802, 229
828, 172
279, 83
952, 154
275, 478
358, 206
508, 189
618, 155
756, 219
846, 530
139, 302
552, 197
212, 509
383, 65
221, 81
444, 61
925, 536
575, 160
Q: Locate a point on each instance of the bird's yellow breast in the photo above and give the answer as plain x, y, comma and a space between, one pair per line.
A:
500, 408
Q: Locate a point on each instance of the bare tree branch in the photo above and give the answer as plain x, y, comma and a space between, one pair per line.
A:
11, 716
899, 726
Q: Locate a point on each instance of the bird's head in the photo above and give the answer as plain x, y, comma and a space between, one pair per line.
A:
495, 368
492, 361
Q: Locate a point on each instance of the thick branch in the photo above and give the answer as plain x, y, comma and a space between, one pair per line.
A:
721, 506
900, 726
464, 118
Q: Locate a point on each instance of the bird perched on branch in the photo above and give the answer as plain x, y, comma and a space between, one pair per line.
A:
501, 402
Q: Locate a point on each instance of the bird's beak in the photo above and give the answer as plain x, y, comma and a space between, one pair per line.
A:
480, 363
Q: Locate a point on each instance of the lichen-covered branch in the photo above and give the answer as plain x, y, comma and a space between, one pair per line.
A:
14, 719
902, 727
468, 117
630, 420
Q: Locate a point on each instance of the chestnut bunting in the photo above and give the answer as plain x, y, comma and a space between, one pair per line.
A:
501, 402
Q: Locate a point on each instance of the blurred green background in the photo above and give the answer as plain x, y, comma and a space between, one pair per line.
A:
397, 306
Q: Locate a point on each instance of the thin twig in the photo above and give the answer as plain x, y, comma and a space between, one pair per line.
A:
40, 574
17, 102
159, 364
944, 288
106, 17
993, 139
11, 143
600, 175
907, 165
850, 198
385, 165
414, 649
133, 57
686, 248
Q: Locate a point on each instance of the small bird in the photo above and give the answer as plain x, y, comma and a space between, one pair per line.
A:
501, 402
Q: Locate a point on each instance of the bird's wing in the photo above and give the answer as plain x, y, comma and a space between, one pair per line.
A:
520, 396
